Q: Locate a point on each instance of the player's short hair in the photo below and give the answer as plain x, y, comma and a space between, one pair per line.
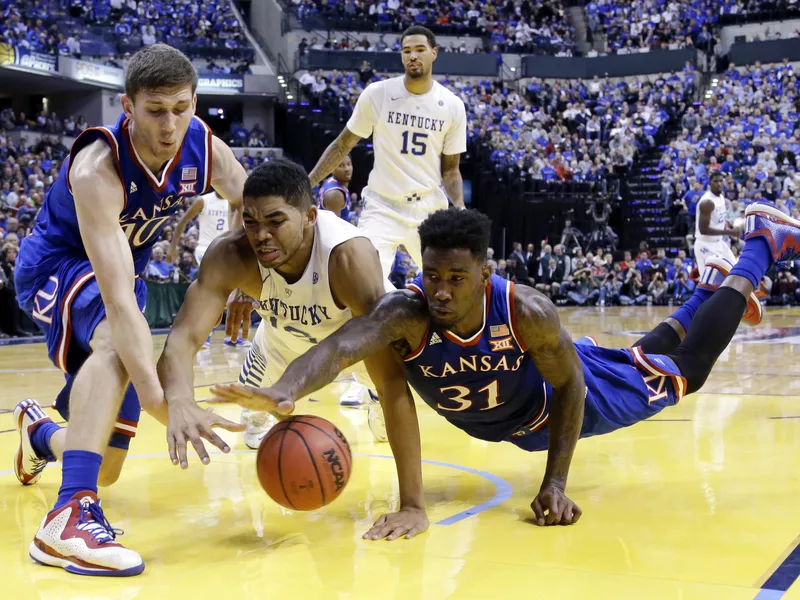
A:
452, 229
282, 178
158, 66
419, 30
715, 175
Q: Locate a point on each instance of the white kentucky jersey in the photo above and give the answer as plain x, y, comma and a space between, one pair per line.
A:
717, 217
410, 133
298, 315
212, 221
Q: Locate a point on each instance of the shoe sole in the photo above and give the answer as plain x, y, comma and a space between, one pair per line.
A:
765, 209
45, 559
752, 299
18, 455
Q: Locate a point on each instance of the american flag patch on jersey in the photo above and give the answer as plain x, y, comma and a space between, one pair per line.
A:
188, 173
499, 331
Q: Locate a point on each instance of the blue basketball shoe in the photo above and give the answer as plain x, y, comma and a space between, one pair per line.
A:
780, 231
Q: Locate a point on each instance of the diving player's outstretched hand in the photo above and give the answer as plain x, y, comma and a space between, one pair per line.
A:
189, 422
560, 509
406, 522
263, 399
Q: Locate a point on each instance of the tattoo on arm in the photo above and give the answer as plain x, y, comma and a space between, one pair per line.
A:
333, 155
392, 317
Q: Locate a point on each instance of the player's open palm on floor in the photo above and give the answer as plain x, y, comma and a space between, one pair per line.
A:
406, 522
189, 422
552, 507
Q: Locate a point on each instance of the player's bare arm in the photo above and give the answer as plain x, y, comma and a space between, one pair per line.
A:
451, 179
334, 201
398, 319
552, 351
228, 264
357, 260
333, 156
704, 209
227, 178
195, 209
99, 200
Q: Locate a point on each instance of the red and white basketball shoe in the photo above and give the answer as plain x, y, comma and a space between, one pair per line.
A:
715, 272
28, 467
78, 538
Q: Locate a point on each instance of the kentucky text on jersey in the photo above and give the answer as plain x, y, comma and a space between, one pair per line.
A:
398, 118
306, 315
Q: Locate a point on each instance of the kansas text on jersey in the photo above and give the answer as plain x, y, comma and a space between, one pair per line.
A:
486, 385
149, 202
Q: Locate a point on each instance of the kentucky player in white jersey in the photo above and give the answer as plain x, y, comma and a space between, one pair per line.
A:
710, 225
419, 131
213, 218
311, 272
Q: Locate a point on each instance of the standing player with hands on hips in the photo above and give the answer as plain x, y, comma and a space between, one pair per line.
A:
419, 131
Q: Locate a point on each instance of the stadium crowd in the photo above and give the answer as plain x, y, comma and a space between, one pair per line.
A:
533, 26
568, 130
747, 130
107, 30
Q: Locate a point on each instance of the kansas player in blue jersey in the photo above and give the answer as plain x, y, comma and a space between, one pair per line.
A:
333, 194
494, 360
76, 275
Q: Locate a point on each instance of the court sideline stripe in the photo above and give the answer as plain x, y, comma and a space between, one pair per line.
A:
780, 579
502, 493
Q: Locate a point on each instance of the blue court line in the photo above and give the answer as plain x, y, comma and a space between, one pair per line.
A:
502, 493
782, 577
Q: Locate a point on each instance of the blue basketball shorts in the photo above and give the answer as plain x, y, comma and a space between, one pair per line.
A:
623, 386
68, 308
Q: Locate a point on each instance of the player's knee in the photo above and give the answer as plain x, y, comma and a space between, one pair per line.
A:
103, 346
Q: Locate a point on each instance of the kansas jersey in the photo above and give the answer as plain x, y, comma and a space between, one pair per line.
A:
149, 203
331, 183
211, 222
489, 387
486, 385
410, 133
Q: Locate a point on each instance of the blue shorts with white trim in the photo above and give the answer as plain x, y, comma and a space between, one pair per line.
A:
68, 308
623, 387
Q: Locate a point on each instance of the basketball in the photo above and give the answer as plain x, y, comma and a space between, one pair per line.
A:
304, 462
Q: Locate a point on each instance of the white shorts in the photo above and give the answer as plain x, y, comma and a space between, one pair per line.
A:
199, 252
263, 368
389, 223
704, 250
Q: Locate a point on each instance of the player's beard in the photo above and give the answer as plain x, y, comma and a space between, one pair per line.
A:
416, 74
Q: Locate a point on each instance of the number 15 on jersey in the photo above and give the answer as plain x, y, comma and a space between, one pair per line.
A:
418, 143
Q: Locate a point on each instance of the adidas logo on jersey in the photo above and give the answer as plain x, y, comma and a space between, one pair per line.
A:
134, 188
435, 339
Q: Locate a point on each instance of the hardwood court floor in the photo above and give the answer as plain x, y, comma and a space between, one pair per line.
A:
699, 502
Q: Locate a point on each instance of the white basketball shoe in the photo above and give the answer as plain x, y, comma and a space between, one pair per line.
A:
355, 395
78, 538
258, 425
375, 419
